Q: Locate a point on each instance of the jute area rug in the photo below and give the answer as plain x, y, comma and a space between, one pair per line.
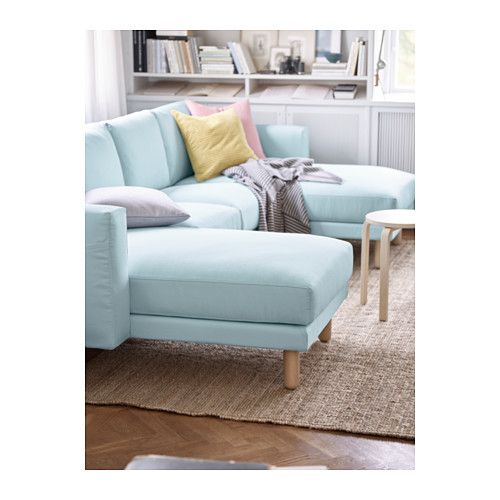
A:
362, 382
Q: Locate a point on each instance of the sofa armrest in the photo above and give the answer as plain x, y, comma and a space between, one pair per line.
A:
107, 301
284, 141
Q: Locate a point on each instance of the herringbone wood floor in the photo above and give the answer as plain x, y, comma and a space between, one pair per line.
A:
115, 434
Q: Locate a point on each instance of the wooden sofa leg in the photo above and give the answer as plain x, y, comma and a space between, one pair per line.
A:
376, 254
398, 239
326, 334
291, 368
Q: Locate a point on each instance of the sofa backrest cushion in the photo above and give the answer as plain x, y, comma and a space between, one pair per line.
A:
102, 165
178, 162
141, 150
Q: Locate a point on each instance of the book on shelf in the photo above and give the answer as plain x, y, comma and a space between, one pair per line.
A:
243, 49
278, 92
321, 67
198, 89
166, 88
226, 90
361, 71
357, 63
174, 33
311, 92
303, 91
352, 62
166, 54
345, 91
242, 58
215, 60
139, 38
172, 88
156, 56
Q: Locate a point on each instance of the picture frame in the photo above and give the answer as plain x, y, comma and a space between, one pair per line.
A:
307, 40
277, 55
259, 42
329, 44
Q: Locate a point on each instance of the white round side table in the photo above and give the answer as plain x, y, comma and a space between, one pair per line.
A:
390, 220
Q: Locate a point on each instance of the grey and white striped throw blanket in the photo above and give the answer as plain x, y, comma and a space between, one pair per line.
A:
275, 183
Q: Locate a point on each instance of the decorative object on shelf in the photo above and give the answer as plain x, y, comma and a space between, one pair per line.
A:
305, 39
328, 45
291, 66
278, 55
259, 43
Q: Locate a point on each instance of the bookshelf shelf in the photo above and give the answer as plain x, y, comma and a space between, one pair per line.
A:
298, 78
360, 100
189, 76
307, 78
138, 82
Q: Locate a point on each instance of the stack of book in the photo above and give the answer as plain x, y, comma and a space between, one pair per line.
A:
216, 61
321, 67
345, 91
242, 58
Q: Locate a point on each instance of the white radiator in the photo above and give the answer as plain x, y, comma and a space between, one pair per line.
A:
396, 140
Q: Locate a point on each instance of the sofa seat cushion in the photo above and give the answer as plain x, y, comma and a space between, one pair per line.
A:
220, 191
235, 275
364, 189
210, 215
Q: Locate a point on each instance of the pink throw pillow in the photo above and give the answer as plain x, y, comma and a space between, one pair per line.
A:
242, 109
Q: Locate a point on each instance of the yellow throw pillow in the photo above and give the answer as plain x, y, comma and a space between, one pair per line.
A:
213, 142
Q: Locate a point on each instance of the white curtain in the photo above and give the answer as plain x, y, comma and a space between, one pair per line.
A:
105, 82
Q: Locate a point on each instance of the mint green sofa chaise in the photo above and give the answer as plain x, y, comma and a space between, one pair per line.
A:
213, 278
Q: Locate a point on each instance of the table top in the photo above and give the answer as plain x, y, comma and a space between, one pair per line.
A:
396, 219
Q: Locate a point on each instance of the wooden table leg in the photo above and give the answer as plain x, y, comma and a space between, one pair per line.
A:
398, 239
365, 259
376, 254
385, 247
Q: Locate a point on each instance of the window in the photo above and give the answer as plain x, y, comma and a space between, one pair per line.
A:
398, 53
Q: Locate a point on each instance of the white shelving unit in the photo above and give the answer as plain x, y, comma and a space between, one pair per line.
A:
340, 131
137, 82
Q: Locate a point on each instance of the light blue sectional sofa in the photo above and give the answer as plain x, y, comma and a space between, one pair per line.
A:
213, 278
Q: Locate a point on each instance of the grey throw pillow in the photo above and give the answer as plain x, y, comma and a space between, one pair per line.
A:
145, 207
